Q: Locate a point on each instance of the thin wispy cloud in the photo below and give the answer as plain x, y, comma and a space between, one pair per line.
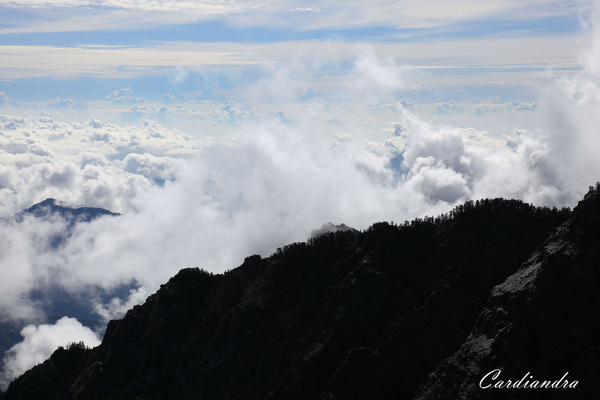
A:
406, 14
29, 61
492, 61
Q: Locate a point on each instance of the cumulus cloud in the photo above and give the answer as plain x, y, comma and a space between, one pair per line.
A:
96, 163
548, 165
149, 166
39, 342
570, 134
375, 79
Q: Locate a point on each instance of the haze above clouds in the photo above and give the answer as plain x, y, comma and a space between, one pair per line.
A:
284, 117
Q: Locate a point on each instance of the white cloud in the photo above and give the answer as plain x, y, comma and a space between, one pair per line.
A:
307, 9
570, 121
35, 61
491, 60
150, 166
18, 276
438, 183
123, 96
268, 183
4, 102
330, 14
39, 342
590, 56
98, 164
117, 307
374, 79
148, 5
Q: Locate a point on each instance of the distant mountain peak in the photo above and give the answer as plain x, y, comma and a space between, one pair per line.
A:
48, 202
329, 227
51, 206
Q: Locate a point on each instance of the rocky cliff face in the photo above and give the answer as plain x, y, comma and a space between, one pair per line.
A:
419, 310
541, 323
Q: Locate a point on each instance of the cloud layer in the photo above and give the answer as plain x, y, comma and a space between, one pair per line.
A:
209, 202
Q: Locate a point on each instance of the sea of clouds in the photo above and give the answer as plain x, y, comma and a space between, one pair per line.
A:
261, 180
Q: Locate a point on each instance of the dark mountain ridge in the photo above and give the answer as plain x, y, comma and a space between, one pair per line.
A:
541, 323
384, 313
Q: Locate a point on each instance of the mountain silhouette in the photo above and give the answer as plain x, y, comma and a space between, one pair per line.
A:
421, 310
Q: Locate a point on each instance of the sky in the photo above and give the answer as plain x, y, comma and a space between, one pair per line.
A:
222, 129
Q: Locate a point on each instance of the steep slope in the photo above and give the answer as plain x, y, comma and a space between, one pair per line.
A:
542, 322
346, 315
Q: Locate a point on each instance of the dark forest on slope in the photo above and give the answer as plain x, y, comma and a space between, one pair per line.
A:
395, 312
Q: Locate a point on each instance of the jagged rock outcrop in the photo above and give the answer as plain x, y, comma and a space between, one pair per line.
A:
345, 315
541, 323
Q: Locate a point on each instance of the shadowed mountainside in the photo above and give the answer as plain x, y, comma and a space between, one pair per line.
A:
542, 322
384, 313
